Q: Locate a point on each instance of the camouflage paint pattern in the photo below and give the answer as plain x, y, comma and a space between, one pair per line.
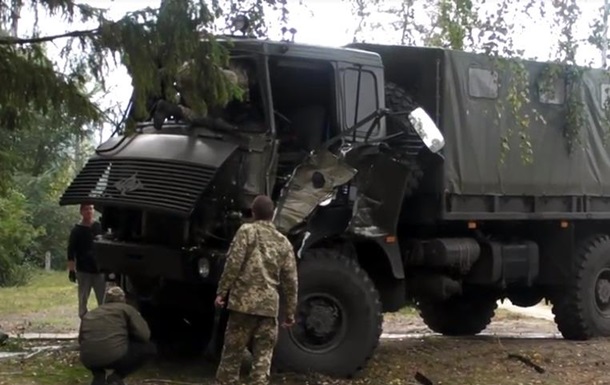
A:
271, 265
242, 328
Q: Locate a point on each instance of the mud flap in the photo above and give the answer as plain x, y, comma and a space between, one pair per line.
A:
312, 182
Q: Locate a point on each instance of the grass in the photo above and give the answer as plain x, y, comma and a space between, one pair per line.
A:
47, 303
48, 369
45, 290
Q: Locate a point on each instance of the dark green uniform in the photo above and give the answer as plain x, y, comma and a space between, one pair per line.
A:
106, 331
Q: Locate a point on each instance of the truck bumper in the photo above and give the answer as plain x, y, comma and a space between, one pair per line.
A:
133, 259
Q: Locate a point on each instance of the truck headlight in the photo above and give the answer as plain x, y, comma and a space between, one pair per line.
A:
203, 266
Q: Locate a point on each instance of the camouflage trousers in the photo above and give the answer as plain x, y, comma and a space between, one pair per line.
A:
241, 329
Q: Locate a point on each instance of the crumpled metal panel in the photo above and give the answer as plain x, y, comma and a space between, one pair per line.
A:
303, 194
381, 190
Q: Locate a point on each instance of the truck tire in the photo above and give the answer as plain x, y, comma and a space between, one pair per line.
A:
338, 321
177, 335
459, 315
582, 308
397, 99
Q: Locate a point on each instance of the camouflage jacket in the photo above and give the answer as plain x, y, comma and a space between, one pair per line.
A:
270, 265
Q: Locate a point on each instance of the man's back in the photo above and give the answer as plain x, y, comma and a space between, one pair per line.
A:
105, 332
268, 262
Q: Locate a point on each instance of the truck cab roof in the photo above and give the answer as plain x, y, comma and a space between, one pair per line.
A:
305, 51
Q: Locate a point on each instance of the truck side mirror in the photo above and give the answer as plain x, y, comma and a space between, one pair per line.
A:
427, 130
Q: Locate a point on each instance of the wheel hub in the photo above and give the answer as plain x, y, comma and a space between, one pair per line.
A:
602, 291
320, 323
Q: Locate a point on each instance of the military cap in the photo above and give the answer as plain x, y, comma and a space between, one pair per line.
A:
115, 294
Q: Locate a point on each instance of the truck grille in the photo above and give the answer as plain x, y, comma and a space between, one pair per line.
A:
163, 186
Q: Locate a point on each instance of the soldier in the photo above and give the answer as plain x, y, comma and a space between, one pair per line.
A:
260, 262
81, 263
115, 337
190, 109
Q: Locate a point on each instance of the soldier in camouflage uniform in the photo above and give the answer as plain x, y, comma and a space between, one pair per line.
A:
260, 262
190, 109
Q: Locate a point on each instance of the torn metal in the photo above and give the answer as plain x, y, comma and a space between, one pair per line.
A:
313, 182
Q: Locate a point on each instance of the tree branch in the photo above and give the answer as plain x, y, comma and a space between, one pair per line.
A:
6, 40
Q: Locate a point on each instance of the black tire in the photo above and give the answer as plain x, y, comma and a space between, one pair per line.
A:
398, 100
326, 272
459, 315
582, 309
177, 335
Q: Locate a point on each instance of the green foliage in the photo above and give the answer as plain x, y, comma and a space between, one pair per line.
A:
599, 33
155, 44
518, 99
454, 24
54, 222
16, 236
152, 43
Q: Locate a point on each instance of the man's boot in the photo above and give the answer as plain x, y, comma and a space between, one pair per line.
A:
3, 337
99, 377
163, 110
114, 379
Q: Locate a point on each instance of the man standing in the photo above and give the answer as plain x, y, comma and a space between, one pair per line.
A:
260, 261
114, 336
81, 263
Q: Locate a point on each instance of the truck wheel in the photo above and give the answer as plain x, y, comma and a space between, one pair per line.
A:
177, 335
397, 99
338, 321
582, 308
459, 315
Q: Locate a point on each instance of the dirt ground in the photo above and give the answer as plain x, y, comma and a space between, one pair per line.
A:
510, 351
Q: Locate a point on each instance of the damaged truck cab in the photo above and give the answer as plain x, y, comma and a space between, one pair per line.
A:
313, 133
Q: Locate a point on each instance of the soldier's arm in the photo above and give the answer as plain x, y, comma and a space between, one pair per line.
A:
138, 328
289, 281
235, 258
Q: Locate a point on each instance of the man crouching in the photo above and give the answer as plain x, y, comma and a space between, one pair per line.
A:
114, 336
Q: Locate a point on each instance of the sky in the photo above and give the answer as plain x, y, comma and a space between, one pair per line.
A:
319, 22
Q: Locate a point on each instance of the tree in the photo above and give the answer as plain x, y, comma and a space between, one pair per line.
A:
599, 32
152, 43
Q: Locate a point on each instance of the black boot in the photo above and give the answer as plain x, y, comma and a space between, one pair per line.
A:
163, 110
99, 377
3, 337
114, 379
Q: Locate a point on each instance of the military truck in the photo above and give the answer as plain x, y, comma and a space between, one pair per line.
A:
384, 163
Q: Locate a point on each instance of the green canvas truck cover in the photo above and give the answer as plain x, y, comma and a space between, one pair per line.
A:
472, 88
